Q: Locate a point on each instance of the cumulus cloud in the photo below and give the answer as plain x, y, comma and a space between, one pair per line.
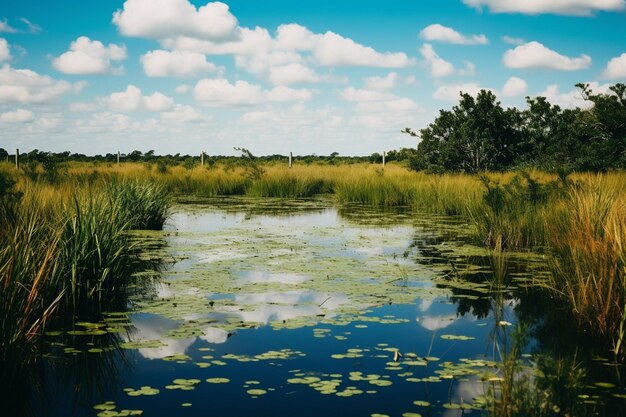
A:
182, 114
221, 93
616, 68
382, 83
90, 57
17, 116
332, 49
535, 55
561, 7
160, 63
514, 87
132, 99
573, 98
160, 19
295, 73
5, 53
452, 92
446, 34
27, 87
438, 66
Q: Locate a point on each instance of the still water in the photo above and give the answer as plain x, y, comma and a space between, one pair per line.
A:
300, 308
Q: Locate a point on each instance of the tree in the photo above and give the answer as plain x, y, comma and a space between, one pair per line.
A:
476, 135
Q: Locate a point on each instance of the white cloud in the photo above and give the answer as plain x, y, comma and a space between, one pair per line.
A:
182, 114
469, 70
452, 92
5, 53
332, 49
160, 19
514, 87
382, 83
573, 98
535, 55
160, 63
562, 7
132, 100
26, 86
295, 73
5, 27
83, 107
438, 66
90, 57
353, 94
183, 89
157, 102
616, 68
221, 93
513, 41
17, 116
446, 34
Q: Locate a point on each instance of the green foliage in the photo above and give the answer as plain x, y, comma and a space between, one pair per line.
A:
478, 135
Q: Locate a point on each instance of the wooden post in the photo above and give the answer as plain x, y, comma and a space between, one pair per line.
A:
290, 158
118, 157
384, 154
202, 158
17, 159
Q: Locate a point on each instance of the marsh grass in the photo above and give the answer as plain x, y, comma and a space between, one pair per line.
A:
65, 251
589, 256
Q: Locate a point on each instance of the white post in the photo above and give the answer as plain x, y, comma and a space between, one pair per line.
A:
290, 158
202, 158
384, 154
118, 157
17, 159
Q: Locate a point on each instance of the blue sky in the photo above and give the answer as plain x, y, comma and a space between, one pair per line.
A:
284, 76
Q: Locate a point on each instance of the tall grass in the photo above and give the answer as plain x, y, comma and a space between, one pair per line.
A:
66, 251
589, 256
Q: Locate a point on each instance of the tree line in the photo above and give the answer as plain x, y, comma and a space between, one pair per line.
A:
478, 134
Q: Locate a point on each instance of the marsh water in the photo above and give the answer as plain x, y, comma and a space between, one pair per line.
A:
303, 308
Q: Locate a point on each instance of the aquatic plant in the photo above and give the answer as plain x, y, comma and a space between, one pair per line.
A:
589, 256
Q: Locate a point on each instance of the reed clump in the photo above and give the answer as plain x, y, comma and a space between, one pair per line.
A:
589, 256
66, 252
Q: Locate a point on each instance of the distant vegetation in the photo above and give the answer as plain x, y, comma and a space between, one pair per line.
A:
479, 135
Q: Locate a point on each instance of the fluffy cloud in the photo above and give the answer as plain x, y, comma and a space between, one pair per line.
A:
446, 34
332, 49
256, 50
26, 86
17, 116
616, 68
221, 93
452, 92
382, 83
572, 99
132, 99
438, 66
514, 87
160, 19
162, 63
182, 114
535, 55
562, 7
89, 57
353, 94
5, 53
295, 73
